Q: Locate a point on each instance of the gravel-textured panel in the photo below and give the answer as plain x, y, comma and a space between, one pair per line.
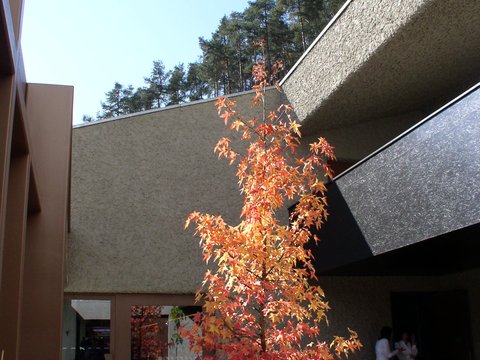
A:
134, 181
423, 185
383, 57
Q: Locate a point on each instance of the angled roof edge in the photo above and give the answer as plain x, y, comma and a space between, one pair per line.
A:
312, 45
170, 107
409, 130
317, 39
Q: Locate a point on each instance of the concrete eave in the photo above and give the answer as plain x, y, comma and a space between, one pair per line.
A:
418, 187
379, 58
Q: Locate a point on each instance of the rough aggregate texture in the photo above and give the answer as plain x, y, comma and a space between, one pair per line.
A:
382, 58
134, 182
353, 142
423, 185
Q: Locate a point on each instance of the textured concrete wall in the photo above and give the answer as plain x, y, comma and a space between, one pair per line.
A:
363, 303
353, 142
134, 182
423, 185
344, 48
387, 57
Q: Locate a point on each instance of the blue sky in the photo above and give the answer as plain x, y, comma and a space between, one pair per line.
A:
90, 44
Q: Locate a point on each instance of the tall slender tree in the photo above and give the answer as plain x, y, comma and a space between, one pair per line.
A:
237, 35
157, 85
116, 102
259, 294
176, 86
213, 68
197, 87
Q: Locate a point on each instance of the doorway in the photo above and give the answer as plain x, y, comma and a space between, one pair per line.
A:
440, 321
86, 329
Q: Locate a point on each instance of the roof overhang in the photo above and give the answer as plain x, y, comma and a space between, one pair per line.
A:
378, 59
421, 186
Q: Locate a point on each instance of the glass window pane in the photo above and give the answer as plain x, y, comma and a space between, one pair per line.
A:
86, 329
154, 332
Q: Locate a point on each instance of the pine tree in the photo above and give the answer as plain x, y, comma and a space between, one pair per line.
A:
176, 87
258, 18
212, 68
115, 104
157, 85
145, 98
196, 86
240, 62
135, 100
286, 27
87, 118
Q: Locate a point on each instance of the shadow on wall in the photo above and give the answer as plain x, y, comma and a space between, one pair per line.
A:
341, 240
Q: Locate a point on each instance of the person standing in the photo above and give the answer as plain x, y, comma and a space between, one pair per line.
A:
382, 346
405, 346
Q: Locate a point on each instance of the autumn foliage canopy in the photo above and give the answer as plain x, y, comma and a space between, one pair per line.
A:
260, 297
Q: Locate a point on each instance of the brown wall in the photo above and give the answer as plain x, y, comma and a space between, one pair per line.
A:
49, 110
14, 247
6, 119
35, 142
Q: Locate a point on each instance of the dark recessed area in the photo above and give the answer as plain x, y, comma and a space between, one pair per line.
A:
449, 253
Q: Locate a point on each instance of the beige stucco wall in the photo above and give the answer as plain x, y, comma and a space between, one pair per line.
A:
134, 182
353, 142
344, 48
363, 303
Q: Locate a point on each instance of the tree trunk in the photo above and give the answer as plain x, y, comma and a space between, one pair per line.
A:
240, 68
268, 61
302, 30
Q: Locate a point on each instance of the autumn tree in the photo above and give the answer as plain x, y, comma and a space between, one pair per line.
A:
260, 295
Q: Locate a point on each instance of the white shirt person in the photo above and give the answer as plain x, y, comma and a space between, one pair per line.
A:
382, 346
408, 351
406, 354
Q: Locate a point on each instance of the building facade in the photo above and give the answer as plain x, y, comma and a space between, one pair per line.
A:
391, 84
35, 143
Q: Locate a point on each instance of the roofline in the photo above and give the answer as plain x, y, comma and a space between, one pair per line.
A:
170, 107
409, 130
317, 39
